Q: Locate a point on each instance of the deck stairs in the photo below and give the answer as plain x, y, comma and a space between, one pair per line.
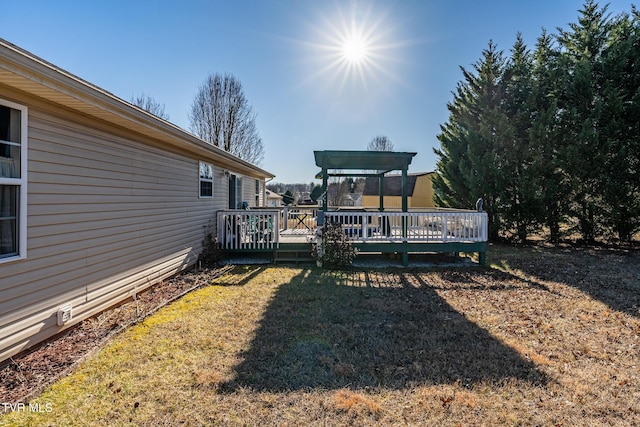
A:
294, 253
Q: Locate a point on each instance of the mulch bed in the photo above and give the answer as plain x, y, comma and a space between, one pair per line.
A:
26, 375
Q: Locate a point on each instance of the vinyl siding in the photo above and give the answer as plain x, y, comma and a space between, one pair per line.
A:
109, 214
422, 196
390, 202
423, 192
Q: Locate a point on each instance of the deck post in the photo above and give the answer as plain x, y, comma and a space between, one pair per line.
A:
405, 254
381, 192
325, 196
285, 217
482, 258
405, 205
405, 208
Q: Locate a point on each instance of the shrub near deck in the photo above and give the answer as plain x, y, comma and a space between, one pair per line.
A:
520, 343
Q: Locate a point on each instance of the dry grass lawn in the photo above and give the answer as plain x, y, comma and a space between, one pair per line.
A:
541, 337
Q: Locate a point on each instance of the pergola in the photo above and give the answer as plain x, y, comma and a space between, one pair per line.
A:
341, 163
451, 230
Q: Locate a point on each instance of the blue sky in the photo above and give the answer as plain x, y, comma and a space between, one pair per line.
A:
287, 54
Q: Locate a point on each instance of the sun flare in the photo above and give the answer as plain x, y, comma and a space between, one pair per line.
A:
355, 49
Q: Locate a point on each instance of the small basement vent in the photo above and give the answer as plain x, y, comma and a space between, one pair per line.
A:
65, 314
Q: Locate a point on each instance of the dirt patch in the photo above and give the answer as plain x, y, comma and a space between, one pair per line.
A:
26, 375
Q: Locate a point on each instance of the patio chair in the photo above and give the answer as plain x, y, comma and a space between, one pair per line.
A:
260, 228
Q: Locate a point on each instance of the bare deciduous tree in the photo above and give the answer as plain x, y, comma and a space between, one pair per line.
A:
221, 115
150, 105
380, 143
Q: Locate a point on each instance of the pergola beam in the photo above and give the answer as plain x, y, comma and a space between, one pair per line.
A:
354, 174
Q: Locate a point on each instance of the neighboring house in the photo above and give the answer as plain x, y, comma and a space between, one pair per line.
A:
98, 198
353, 199
419, 191
273, 199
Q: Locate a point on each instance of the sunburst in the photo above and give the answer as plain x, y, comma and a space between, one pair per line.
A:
353, 48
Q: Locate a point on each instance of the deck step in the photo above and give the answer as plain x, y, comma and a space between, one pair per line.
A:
294, 255
293, 258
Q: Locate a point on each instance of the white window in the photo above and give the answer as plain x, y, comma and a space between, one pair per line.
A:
206, 180
257, 192
238, 192
13, 181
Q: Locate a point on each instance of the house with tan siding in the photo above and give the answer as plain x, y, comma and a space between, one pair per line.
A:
98, 198
419, 191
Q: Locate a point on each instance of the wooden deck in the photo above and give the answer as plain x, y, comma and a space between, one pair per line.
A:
436, 230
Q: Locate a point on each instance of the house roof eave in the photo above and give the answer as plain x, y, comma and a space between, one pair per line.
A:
24, 71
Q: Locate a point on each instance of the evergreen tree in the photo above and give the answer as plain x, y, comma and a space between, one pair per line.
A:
315, 193
288, 198
620, 180
468, 165
581, 114
545, 136
550, 138
520, 186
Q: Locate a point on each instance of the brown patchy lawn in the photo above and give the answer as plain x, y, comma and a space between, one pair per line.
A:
541, 337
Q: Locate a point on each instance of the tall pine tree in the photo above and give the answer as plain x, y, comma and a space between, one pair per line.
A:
550, 138
520, 186
545, 136
620, 128
581, 113
468, 167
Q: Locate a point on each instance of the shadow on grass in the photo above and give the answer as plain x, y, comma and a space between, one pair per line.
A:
238, 275
355, 329
612, 276
501, 281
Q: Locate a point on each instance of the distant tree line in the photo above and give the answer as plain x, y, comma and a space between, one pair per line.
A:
338, 190
550, 138
298, 188
295, 193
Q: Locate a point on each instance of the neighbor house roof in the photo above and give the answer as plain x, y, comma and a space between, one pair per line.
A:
26, 72
392, 185
272, 195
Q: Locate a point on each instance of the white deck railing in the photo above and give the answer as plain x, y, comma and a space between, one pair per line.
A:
248, 229
261, 229
438, 226
298, 220
295, 220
